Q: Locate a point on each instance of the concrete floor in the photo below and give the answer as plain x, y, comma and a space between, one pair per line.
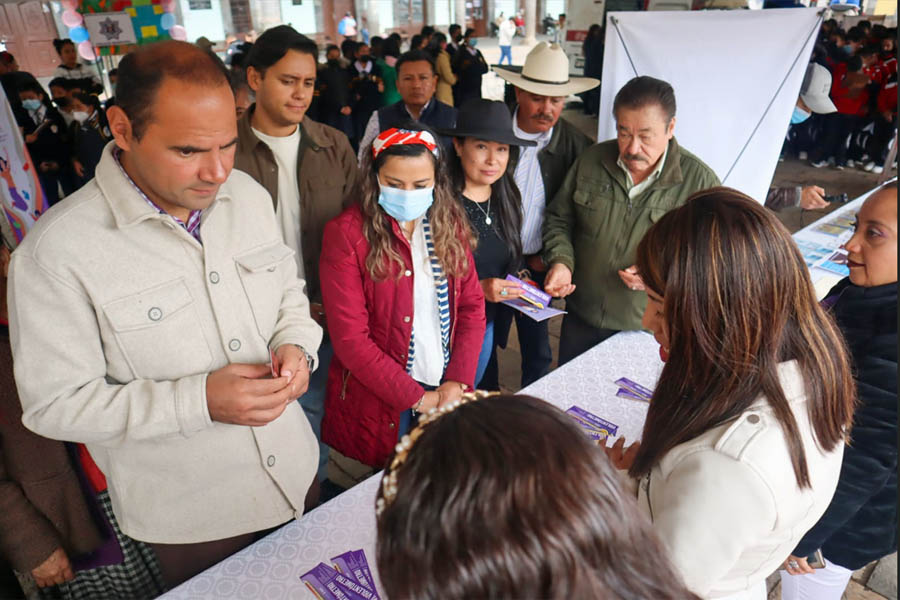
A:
876, 581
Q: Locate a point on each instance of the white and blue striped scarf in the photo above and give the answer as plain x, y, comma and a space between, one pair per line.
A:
443, 297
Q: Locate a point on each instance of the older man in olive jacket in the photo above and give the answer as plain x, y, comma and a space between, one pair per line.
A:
612, 195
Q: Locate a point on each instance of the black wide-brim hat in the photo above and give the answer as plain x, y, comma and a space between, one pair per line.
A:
487, 120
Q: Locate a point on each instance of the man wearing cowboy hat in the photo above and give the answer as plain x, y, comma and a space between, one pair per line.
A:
541, 90
612, 195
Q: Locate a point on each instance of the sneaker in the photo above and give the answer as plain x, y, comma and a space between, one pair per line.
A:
869, 166
850, 163
839, 166
818, 164
802, 155
878, 170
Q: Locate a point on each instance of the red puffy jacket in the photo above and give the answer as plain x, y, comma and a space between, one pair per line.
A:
370, 324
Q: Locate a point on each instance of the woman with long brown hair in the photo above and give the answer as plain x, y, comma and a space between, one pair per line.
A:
742, 446
525, 506
404, 307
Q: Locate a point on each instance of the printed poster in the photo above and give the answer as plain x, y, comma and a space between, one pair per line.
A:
21, 196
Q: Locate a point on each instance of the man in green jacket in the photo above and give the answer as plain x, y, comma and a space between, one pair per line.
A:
612, 195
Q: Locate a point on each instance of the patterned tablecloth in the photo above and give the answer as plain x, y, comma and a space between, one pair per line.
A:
271, 568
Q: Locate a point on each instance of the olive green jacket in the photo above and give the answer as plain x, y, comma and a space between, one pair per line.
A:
593, 228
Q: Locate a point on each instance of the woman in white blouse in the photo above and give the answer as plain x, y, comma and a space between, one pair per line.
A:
742, 447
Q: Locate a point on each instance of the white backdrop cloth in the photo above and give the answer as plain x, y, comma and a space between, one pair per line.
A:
725, 67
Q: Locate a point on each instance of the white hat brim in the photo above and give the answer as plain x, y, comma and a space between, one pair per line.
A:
819, 104
575, 85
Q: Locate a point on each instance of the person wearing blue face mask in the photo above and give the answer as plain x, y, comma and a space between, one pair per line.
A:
402, 299
469, 66
45, 134
813, 98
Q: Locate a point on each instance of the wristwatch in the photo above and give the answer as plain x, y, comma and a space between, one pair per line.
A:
310, 361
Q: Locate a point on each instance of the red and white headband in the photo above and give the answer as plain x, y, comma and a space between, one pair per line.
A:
394, 136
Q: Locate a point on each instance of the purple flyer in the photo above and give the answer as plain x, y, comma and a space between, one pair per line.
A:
623, 393
634, 387
348, 564
351, 585
322, 581
364, 565
598, 429
533, 303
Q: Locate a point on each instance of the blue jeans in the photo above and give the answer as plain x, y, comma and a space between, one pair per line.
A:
505, 51
486, 348
313, 403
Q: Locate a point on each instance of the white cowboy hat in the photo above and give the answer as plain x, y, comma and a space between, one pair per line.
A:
546, 73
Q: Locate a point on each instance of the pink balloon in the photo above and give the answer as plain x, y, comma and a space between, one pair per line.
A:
168, 5
72, 18
177, 32
86, 51
69, 4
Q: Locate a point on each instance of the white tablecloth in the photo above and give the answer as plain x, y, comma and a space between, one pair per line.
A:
271, 567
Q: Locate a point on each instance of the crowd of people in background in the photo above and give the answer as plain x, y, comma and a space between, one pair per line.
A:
298, 249
863, 64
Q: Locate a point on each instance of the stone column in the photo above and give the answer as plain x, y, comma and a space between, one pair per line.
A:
459, 14
371, 12
531, 19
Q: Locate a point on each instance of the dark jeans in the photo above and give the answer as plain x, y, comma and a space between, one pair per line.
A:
313, 403
877, 146
835, 138
534, 341
577, 337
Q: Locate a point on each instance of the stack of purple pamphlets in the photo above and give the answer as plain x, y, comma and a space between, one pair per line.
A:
349, 579
633, 391
597, 429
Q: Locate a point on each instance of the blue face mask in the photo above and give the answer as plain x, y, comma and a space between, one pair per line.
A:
799, 115
847, 49
473, 42
405, 205
31, 104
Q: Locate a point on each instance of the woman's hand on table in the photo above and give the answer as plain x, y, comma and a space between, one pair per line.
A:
498, 290
622, 458
451, 391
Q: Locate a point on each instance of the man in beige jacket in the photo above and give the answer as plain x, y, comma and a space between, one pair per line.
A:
143, 310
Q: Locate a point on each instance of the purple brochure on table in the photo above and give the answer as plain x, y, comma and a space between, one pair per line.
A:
351, 585
635, 388
349, 564
623, 393
364, 564
597, 429
322, 582
533, 302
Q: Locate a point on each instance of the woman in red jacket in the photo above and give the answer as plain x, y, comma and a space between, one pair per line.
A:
404, 307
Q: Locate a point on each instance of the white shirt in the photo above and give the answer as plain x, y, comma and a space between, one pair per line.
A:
506, 33
428, 361
287, 207
636, 190
531, 185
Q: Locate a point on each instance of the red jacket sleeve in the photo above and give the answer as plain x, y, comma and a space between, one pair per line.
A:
468, 333
343, 295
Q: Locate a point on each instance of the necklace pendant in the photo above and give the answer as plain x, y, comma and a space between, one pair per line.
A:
487, 221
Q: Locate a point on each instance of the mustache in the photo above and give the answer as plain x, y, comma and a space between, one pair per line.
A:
543, 117
636, 157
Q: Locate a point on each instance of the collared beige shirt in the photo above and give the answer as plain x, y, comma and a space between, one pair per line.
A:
117, 315
635, 190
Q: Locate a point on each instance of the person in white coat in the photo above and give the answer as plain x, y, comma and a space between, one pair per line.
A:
505, 37
742, 447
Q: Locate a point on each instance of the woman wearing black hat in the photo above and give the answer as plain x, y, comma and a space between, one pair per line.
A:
482, 138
